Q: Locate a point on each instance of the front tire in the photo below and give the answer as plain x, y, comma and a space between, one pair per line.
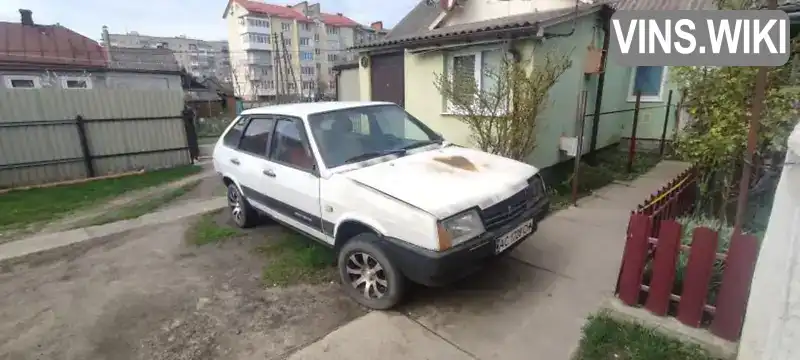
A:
367, 274
242, 214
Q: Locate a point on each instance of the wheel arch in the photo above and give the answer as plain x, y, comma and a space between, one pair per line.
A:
227, 180
349, 227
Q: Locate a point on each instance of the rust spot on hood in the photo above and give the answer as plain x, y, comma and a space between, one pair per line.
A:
457, 162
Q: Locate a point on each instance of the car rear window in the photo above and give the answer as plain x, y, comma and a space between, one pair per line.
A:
231, 138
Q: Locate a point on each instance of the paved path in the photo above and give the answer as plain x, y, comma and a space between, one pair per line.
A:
531, 306
49, 242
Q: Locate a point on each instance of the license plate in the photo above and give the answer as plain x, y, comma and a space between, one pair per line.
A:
513, 236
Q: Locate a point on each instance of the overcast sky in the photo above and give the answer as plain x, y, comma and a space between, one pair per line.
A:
193, 18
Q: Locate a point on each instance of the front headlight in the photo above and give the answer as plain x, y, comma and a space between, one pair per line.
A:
536, 182
459, 228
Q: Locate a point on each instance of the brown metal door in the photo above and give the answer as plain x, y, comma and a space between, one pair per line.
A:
388, 78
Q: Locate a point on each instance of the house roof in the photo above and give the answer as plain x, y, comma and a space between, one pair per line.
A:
48, 45
337, 20
664, 5
143, 59
287, 12
201, 95
259, 7
345, 65
420, 17
507, 23
214, 84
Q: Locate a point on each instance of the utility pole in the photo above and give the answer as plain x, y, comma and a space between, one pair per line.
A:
277, 70
752, 137
289, 66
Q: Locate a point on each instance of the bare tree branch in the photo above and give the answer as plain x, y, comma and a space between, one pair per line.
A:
502, 115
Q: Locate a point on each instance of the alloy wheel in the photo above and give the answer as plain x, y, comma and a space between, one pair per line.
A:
367, 275
235, 203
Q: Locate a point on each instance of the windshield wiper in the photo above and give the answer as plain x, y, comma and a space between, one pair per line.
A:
421, 144
374, 154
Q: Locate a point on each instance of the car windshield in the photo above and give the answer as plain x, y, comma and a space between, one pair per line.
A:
361, 133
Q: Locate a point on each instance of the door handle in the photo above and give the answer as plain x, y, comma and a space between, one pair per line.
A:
268, 172
235, 161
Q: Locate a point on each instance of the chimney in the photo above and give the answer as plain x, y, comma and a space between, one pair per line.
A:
107, 43
340, 14
26, 17
378, 25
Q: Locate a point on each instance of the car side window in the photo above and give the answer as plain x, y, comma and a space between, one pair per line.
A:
289, 146
231, 138
256, 136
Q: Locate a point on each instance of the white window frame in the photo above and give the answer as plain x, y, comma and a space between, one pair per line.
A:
648, 99
37, 81
65, 79
478, 54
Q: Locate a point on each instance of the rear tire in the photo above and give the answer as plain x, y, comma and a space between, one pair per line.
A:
242, 214
367, 274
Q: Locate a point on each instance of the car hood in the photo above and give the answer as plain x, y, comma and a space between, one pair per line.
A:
446, 181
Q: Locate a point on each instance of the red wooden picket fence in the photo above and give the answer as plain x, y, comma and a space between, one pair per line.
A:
654, 238
674, 199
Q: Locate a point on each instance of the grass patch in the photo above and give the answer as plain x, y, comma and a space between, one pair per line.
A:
25, 207
140, 208
610, 166
605, 338
294, 259
207, 230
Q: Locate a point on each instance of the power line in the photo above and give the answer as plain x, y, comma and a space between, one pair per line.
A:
88, 59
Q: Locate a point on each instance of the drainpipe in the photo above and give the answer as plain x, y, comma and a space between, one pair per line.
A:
598, 99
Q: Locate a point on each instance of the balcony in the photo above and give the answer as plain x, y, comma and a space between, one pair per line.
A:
255, 25
256, 46
260, 60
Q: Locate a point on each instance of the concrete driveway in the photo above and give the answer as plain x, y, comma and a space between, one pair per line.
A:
529, 306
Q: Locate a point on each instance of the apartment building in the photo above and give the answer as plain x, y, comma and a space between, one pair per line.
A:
199, 57
278, 50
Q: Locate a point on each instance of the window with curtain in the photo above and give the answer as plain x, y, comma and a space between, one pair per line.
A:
474, 69
648, 80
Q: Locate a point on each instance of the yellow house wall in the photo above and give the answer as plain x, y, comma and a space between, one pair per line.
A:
425, 102
364, 83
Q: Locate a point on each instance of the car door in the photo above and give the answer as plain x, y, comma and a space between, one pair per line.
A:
294, 178
226, 154
250, 159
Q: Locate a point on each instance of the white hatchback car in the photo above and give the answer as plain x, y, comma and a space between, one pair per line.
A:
387, 193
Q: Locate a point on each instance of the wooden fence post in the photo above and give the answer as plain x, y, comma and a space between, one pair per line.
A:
87, 155
664, 263
697, 276
634, 258
191, 134
735, 289
666, 122
632, 147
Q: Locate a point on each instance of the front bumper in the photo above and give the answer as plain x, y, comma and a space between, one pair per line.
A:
433, 268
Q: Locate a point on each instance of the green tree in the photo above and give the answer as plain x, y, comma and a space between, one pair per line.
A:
719, 101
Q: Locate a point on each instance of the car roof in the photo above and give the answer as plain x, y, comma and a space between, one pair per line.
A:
305, 109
